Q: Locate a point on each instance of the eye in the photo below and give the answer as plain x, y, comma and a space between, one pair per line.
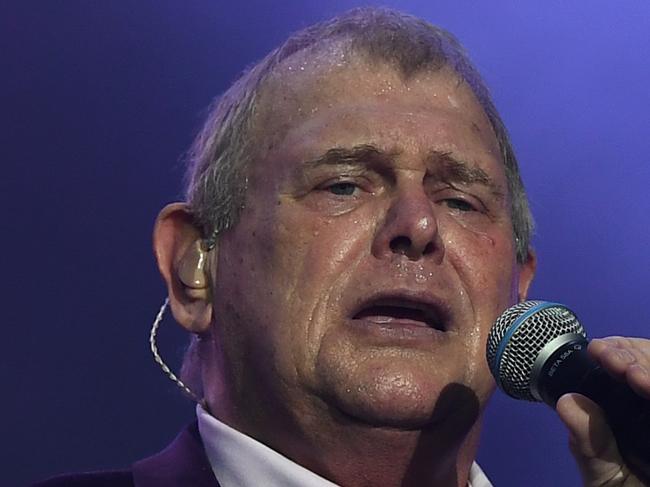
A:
459, 204
344, 188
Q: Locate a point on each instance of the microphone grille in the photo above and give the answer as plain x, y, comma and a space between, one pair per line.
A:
519, 335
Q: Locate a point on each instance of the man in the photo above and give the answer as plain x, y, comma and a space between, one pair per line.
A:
355, 223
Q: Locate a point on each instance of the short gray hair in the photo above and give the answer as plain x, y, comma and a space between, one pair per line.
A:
223, 151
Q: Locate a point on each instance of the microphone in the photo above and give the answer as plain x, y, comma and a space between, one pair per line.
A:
537, 351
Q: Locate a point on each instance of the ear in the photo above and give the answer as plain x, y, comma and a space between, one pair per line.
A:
184, 265
526, 274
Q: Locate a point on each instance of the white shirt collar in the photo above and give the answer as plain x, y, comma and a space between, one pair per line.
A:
238, 460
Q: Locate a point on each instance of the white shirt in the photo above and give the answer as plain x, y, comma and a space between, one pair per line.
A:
238, 460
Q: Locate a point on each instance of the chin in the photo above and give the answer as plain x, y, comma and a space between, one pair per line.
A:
407, 401
397, 387
453, 414
389, 417
395, 400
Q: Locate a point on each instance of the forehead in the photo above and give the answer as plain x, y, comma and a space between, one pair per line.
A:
332, 98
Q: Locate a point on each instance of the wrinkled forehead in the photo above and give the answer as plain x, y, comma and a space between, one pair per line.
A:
316, 79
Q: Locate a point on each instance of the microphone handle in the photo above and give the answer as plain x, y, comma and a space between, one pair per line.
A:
571, 369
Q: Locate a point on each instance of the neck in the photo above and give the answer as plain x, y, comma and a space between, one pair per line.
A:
372, 456
352, 453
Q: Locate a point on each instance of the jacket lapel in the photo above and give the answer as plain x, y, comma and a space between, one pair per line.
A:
182, 463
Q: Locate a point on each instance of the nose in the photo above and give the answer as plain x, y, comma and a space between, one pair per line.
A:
410, 228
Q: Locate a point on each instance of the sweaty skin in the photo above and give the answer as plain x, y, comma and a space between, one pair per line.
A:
414, 204
368, 191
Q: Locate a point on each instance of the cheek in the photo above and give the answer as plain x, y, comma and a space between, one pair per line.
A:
321, 246
326, 252
289, 270
484, 260
486, 268
245, 294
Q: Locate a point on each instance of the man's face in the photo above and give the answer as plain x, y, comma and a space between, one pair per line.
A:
374, 251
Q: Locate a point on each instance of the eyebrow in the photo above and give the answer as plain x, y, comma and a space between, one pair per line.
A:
445, 167
440, 164
364, 154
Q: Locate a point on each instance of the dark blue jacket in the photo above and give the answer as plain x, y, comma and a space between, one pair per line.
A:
182, 464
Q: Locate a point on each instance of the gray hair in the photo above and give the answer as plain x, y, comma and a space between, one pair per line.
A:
223, 150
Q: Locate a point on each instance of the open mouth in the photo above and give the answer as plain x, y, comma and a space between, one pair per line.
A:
397, 311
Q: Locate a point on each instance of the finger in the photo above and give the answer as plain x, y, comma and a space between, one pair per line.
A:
638, 378
613, 357
591, 440
640, 347
626, 360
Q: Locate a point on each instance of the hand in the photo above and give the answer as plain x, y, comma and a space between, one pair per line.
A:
590, 438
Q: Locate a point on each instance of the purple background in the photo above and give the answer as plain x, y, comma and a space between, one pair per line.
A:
99, 101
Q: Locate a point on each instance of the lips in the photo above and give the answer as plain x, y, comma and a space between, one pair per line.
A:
406, 311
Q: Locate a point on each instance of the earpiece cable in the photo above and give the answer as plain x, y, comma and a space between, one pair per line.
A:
154, 350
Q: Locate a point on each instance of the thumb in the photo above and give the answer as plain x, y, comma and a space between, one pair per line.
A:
591, 441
